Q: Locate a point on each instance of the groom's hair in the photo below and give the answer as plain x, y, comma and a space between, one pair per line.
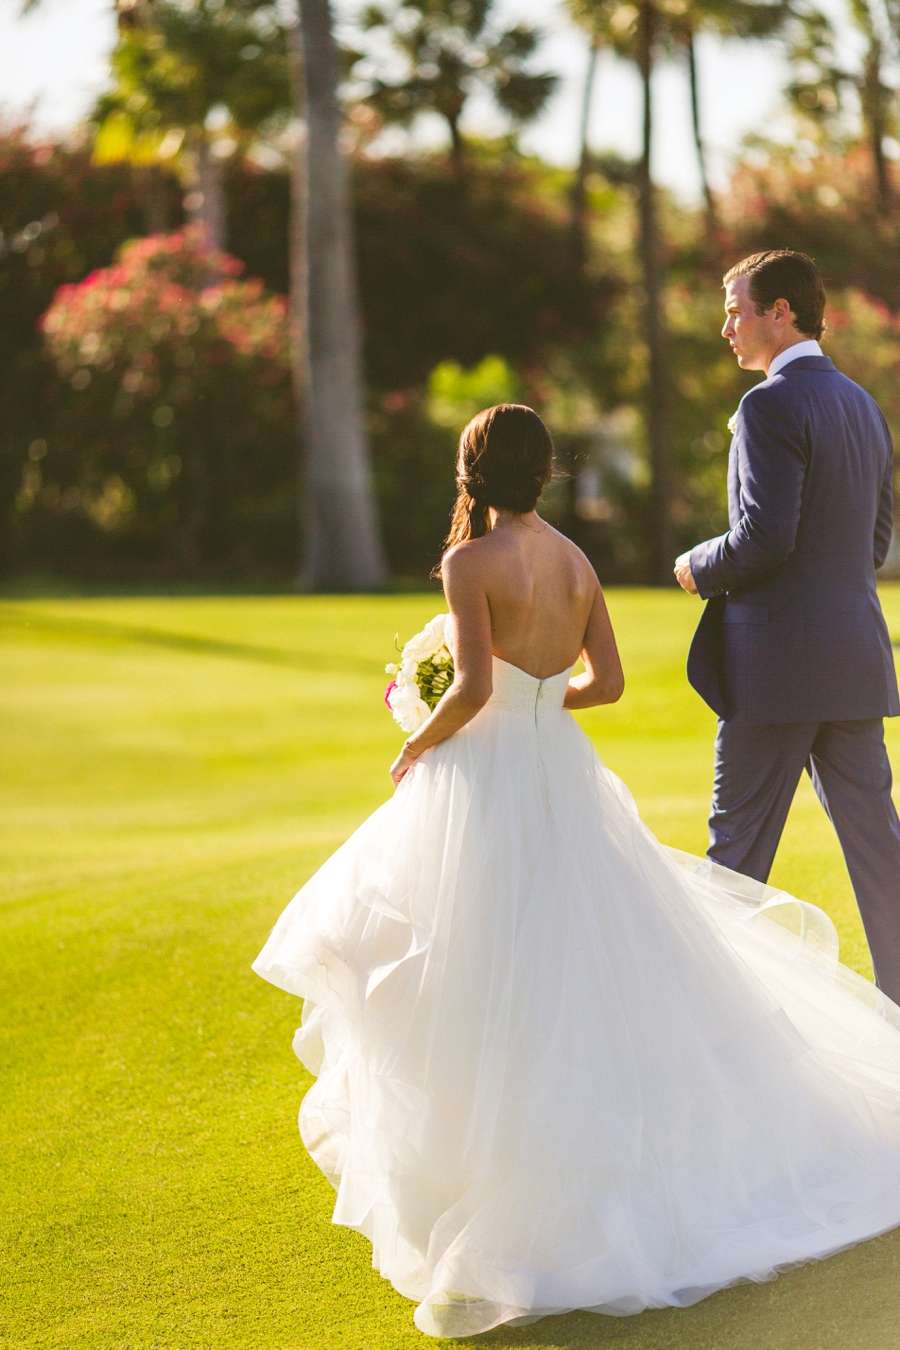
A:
782, 274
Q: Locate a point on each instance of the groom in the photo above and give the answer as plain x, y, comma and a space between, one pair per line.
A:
792, 650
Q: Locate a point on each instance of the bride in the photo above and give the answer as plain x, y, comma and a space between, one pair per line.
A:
559, 1065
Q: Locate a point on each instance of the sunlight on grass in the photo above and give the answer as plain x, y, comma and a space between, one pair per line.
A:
173, 769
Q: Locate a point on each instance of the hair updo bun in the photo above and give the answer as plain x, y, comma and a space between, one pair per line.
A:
505, 459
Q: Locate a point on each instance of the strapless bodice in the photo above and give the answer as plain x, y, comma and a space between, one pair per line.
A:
517, 691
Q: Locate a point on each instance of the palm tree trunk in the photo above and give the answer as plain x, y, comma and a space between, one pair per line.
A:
659, 425
343, 543
204, 202
457, 144
874, 98
712, 222
578, 219
299, 297
150, 191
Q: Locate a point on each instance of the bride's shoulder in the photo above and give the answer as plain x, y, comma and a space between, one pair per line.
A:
572, 553
467, 563
473, 553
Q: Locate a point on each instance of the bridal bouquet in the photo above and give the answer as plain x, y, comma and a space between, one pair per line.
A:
424, 674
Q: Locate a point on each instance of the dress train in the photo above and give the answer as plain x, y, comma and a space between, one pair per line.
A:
561, 1066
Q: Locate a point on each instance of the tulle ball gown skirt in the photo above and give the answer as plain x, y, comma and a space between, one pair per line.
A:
560, 1066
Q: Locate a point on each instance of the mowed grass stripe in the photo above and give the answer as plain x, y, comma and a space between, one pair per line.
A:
96, 630
173, 770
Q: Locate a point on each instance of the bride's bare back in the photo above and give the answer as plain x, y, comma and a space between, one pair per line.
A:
540, 590
517, 589
526, 594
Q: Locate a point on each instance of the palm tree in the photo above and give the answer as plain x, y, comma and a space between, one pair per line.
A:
712, 220
450, 48
645, 32
343, 544
637, 32
578, 197
299, 295
659, 393
819, 91
875, 97
192, 82
758, 19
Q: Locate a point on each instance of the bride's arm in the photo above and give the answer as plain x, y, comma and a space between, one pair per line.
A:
603, 680
472, 680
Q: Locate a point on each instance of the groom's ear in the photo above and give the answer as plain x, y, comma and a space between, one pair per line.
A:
782, 311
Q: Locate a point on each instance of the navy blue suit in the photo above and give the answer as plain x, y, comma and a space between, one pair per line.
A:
792, 650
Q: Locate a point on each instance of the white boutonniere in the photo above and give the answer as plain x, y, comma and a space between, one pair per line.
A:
732, 423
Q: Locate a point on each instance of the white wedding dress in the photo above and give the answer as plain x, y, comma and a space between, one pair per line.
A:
561, 1066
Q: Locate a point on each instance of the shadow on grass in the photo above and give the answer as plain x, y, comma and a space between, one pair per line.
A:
185, 642
850, 1302
37, 587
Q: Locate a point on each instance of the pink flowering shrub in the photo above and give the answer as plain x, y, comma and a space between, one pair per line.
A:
862, 336
178, 403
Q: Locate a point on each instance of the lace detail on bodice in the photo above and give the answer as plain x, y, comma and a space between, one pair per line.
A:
517, 691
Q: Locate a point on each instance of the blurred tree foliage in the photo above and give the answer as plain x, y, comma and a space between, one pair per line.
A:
822, 82
863, 338
821, 200
446, 50
445, 273
647, 33
190, 83
61, 217
468, 296
173, 415
452, 270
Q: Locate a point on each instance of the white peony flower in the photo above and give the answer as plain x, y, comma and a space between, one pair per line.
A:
410, 711
417, 649
409, 668
404, 696
436, 628
429, 641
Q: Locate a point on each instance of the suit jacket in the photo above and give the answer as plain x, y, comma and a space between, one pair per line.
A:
793, 629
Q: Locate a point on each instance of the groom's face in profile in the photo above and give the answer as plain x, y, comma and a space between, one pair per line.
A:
754, 338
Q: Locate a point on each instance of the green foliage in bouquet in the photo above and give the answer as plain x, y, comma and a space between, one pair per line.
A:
434, 678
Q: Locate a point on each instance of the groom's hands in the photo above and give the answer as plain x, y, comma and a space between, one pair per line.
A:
683, 574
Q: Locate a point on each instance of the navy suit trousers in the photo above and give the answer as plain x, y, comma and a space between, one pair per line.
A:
757, 770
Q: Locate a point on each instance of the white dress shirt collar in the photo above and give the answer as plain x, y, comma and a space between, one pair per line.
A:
808, 348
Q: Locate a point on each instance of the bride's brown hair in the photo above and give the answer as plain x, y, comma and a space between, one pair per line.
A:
505, 458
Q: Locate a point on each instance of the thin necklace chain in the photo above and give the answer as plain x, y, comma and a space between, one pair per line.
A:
517, 520
540, 530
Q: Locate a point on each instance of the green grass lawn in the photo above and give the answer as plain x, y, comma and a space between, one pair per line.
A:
171, 771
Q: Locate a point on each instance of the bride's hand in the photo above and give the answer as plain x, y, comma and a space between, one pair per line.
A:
402, 764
